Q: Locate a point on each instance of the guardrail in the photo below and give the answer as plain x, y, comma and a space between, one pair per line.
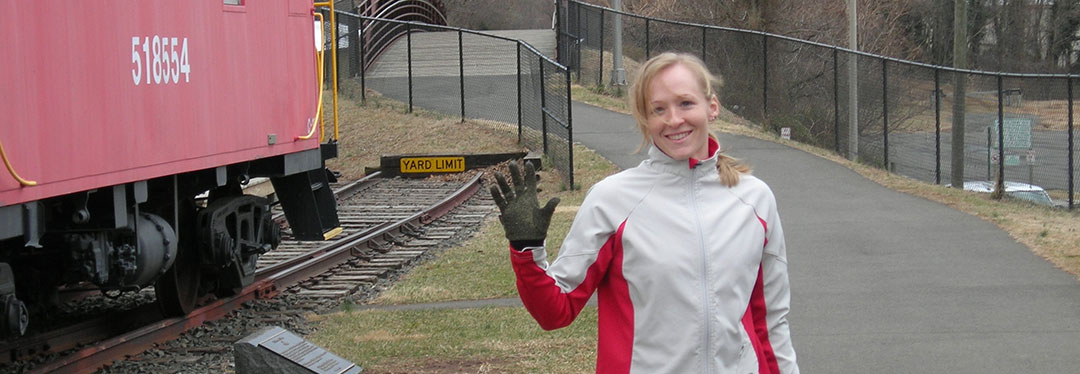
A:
895, 114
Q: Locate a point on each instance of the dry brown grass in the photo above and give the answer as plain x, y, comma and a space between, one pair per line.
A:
382, 127
916, 101
592, 57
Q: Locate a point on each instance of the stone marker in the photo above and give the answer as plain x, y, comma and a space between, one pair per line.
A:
276, 350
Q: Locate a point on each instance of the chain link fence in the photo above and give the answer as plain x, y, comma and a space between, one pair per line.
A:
906, 114
463, 73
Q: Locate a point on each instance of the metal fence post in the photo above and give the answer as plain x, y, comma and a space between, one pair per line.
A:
560, 54
461, 72
1072, 154
600, 75
1001, 131
354, 45
647, 54
989, 155
836, 99
363, 64
334, 39
570, 129
408, 47
519, 90
703, 45
581, 30
765, 80
937, 126
885, 110
543, 104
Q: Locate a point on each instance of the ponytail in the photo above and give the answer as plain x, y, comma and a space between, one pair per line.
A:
729, 168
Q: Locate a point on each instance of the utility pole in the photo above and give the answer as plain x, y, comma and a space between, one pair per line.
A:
618, 74
960, 39
853, 81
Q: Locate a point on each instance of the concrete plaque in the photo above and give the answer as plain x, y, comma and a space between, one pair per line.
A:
276, 350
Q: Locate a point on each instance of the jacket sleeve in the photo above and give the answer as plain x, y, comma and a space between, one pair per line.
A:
777, 291
554, 294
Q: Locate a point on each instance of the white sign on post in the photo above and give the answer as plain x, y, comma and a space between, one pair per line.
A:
785, 133
1017, 133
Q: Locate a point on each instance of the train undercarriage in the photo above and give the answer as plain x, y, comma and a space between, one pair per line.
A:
189, 235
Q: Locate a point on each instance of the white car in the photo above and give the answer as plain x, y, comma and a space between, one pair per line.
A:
1019, 190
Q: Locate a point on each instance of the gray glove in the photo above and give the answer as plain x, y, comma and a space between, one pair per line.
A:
525, 223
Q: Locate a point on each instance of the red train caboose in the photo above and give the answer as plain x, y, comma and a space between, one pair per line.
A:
115, 115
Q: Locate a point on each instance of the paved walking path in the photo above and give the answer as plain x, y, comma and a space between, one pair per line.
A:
883, 282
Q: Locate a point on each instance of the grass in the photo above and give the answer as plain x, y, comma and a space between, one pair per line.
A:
479, 340
598, 96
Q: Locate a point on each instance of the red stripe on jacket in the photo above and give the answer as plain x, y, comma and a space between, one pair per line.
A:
754, 321
616, 331
552, 308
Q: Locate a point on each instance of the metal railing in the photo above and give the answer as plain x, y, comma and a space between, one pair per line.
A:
904, 115
380, 35
468, 73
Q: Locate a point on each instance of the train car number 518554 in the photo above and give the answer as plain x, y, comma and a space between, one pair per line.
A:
156, 60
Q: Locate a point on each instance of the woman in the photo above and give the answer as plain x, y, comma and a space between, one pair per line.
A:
686, 249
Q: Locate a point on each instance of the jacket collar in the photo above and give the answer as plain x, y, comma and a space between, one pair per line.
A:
662, 162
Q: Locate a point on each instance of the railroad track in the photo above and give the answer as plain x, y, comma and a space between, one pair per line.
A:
388, 225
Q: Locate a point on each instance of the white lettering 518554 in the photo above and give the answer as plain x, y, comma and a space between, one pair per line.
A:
155, 60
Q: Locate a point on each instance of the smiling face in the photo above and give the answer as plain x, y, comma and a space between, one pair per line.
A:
678, 113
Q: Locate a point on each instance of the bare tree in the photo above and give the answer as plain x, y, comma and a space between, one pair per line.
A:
1064, 23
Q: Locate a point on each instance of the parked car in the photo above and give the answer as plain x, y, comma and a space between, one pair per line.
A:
1019, 190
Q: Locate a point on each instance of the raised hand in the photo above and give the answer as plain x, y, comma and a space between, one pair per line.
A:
521, 216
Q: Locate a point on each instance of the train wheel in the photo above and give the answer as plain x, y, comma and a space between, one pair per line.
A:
234, 231
178, 290
17, 317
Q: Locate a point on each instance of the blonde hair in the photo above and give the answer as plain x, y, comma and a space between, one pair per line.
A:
729, 167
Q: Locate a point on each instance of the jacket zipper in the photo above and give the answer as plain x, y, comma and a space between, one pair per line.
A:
705, 272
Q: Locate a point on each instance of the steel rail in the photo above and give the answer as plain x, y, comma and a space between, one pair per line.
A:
319, 261
73, 336
267, 285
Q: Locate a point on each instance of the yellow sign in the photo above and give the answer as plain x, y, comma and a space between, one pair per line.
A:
432, 164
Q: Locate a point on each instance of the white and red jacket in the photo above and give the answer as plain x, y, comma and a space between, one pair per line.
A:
692, 275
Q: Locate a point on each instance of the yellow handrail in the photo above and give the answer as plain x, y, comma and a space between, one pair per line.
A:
318, 107
11, 169
333, 61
